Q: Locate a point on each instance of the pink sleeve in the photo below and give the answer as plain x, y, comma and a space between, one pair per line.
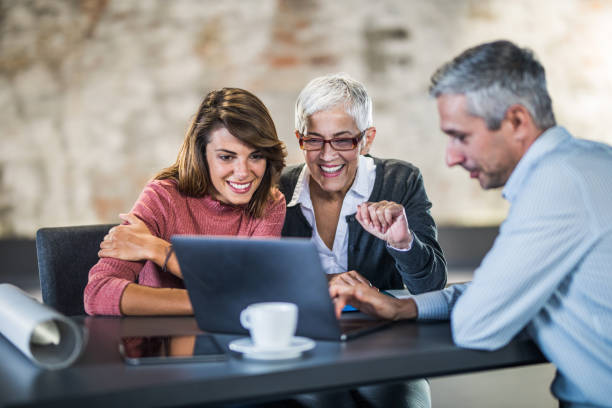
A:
109, 277
271, 223
107, 281
155, 207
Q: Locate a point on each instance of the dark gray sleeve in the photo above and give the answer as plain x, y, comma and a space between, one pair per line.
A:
423, 267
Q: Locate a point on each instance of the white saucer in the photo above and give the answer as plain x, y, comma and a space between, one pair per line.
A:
293, 350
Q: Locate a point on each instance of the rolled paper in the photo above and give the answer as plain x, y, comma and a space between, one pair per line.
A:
46, 337
46, 333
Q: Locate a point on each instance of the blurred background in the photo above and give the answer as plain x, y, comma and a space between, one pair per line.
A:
95, 97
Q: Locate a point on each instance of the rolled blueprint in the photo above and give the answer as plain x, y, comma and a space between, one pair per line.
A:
48, 338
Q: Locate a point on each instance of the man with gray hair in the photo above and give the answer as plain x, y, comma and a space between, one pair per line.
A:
548, 272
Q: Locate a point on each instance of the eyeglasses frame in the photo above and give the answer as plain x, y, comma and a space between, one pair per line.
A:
356, 139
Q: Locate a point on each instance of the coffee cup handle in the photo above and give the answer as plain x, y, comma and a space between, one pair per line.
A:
244, 319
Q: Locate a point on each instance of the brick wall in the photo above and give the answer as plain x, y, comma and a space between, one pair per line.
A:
95, 95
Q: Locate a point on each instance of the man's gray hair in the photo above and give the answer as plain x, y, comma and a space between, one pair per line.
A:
327, 92
494, 76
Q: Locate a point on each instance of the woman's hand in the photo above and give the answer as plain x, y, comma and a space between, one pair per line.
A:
130, 242
348, 278
386, 220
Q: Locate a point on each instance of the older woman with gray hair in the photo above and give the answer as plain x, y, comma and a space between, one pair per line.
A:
341, 196
368, 217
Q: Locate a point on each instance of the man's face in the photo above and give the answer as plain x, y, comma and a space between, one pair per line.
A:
488, 155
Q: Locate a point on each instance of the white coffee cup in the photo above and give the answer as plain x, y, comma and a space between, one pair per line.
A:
271, 324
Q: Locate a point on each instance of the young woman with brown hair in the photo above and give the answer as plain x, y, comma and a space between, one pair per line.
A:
222, 183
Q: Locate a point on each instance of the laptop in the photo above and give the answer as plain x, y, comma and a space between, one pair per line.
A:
225, 275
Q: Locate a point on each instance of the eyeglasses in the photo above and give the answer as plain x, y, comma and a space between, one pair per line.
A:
339, 143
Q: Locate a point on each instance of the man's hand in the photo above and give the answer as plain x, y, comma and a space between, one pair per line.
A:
370, 301
129, 242
386, 220
348, 278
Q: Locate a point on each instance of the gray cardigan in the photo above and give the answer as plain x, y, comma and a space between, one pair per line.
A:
421, 269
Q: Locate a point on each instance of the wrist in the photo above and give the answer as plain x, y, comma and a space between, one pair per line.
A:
406, 309
169, 252
402, 244
159, 251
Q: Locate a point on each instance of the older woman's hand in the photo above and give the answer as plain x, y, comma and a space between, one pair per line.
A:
129, 242
348, 278
387, 221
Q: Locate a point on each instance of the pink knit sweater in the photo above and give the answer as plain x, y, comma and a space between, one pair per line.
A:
167, 212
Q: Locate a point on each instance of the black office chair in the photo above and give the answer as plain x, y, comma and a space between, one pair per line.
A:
65, 256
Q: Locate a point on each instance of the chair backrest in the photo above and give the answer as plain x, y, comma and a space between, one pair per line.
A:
65, 256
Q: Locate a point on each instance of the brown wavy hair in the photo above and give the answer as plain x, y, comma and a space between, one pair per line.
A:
247, 119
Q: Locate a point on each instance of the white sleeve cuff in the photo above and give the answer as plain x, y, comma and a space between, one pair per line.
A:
402, 249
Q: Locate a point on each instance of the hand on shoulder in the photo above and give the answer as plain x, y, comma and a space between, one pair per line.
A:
129, 242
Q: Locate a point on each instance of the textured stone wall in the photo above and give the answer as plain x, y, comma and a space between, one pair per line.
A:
95, 95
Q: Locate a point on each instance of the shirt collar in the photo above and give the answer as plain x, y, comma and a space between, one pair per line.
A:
546, 142
360, 187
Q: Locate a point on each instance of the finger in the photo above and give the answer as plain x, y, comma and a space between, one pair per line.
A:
363, 221
380, 212
358, 216
355, 276
339, 304
367, 300
344, 292
373, 213
347, 279
333, 277
130, 218
364, 214
105, 253
335, 291
393, 212
359, 278
370, 213
389, 215
105, 244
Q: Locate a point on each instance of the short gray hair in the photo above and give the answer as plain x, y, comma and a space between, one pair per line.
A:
494, 76
326, 92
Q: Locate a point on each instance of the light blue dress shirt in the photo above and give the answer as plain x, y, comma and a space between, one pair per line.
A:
550, 269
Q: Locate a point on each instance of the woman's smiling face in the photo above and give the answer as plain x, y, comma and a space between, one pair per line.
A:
333, 171
235, 168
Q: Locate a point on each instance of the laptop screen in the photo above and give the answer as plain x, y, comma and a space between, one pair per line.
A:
225, 275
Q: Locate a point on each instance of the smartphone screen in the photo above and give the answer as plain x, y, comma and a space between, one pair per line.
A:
170, 349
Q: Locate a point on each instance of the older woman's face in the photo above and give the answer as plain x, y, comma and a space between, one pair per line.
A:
332, 170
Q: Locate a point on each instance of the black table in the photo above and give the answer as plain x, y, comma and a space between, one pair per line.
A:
99, 378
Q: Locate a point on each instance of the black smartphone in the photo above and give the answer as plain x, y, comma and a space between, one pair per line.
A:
170, 349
